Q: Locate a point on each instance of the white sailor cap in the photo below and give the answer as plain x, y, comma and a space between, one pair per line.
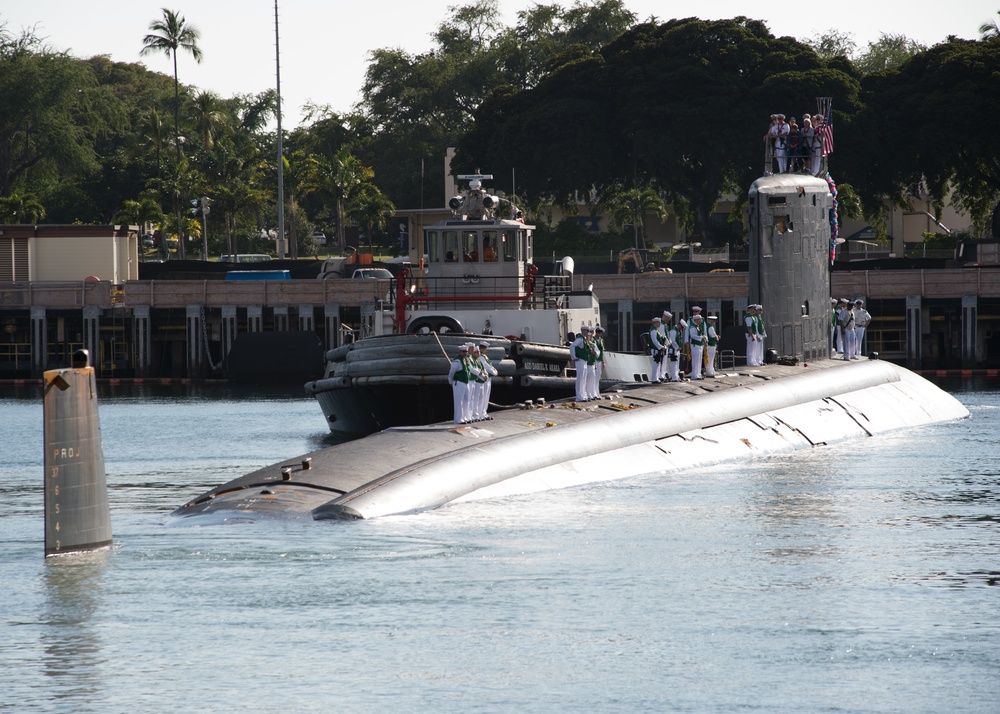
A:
759, 306
859, 301
696, 317
713, 317
463, 348
696, 308
683, 322
656, 319
484, 343
667, 314
584, 328
833, 301
845, 301
598, 328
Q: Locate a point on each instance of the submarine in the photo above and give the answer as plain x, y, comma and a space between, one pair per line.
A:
805, 400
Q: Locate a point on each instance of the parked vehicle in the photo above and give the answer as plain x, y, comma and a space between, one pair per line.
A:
373, 273
245, 258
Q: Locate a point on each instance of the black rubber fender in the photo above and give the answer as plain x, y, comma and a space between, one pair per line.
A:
434, 323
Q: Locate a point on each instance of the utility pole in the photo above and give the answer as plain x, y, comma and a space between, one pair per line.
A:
281, 158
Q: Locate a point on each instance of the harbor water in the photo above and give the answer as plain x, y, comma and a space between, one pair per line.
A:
859, 577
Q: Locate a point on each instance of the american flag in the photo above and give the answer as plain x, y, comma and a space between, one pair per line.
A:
826, 131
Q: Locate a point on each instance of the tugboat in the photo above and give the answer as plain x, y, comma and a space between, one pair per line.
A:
480, 280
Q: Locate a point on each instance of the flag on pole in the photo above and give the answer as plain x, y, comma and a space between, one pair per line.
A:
826, 131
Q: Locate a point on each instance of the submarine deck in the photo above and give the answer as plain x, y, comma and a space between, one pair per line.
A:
426, 455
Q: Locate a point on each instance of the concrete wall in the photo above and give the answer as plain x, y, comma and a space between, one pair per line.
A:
72, 252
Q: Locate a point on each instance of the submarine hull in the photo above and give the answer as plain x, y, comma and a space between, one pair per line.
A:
645, 430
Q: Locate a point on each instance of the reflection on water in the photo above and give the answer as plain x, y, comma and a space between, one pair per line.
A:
74, 653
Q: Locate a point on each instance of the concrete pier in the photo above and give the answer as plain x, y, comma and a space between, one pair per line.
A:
925, 319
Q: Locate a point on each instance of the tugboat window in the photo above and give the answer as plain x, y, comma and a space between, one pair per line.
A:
452, 249
509, 246
489, 246
470, 249
434, 254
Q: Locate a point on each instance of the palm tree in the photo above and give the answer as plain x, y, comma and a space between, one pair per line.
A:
139, 212
21, 208
151, 137
174, 34
338, 179
209, 118
989, 30
371, 208
631, 206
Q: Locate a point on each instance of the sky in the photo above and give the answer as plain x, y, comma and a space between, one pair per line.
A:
325, 44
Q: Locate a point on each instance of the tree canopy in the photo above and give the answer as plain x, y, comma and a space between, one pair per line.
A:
931, 121
53, 113
663, 105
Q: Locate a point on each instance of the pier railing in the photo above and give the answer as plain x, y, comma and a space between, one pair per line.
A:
68, 294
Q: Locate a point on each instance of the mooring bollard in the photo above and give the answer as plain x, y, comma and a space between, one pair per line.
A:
77, 515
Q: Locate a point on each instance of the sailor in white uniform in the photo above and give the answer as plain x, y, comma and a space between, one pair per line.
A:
845, 316
674, 341
657, 349
579, 352
484, 383
460, 374
696, 335
711, 345
862, 318
761, 333
780, 140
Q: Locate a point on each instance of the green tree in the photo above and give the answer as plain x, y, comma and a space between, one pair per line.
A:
833, 44
928, 123
52, 111
169, 35
371, 208
886, 53
416, 106
632, 205
152, 136
21, 208
126, 157
663, 105
990, 29
236, 173
338, 180
208, 118
139, 212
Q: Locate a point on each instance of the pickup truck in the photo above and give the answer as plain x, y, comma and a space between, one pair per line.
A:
348, 268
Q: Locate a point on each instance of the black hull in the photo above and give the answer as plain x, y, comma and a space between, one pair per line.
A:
360, 410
